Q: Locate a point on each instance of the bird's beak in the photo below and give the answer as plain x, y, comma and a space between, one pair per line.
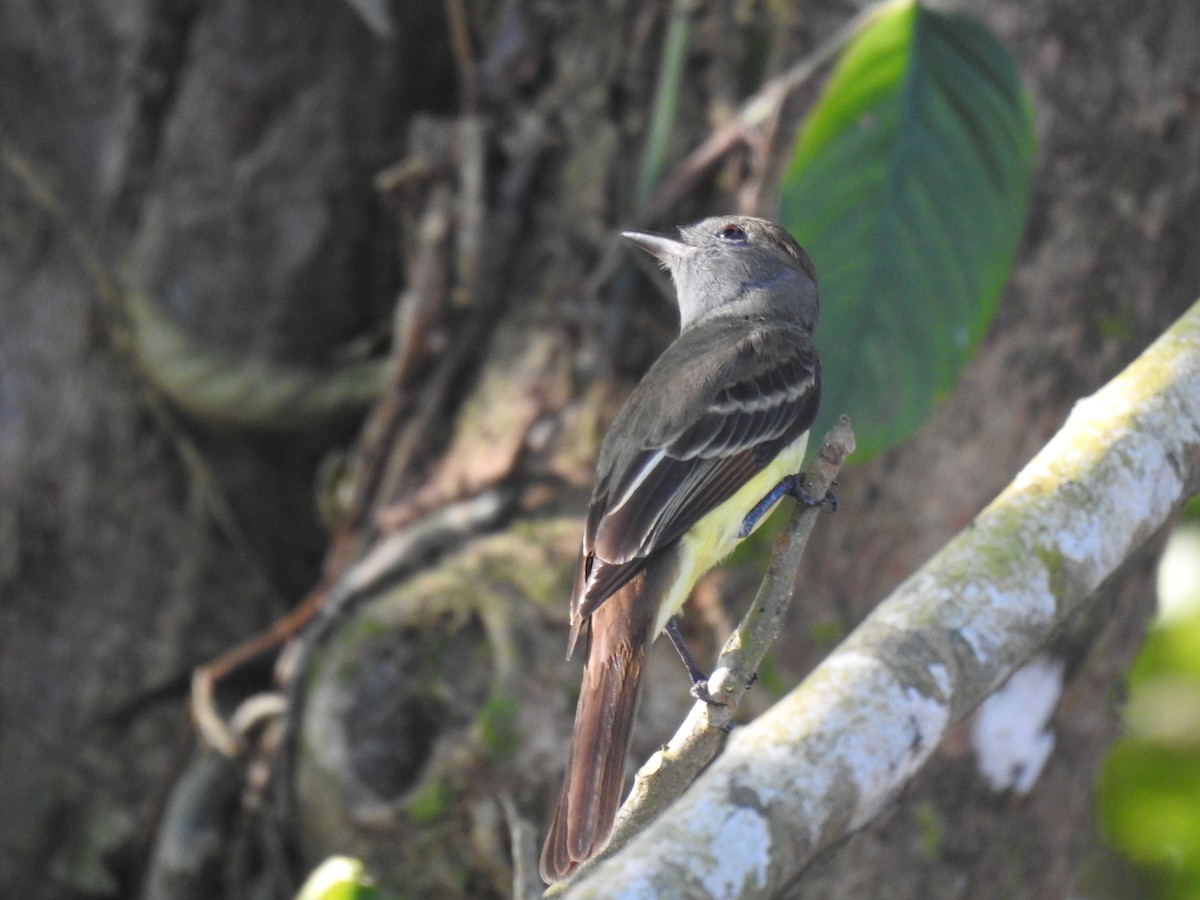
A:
666, 250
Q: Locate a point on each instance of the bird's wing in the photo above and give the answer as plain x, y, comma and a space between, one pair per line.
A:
749, 392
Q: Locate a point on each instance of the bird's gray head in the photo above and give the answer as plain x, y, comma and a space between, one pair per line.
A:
734, 264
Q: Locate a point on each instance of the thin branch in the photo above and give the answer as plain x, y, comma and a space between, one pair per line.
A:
464, 58
757, 110
527, 884
828, 757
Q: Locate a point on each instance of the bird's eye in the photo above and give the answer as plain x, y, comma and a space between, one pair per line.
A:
733, 233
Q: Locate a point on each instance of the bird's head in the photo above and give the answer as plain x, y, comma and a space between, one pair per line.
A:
727, 263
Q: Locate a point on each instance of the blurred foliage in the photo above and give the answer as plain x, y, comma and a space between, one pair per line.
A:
338, 878
909, 184
1149, 789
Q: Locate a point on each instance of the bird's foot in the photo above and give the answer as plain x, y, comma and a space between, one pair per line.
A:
792, 486
701, 692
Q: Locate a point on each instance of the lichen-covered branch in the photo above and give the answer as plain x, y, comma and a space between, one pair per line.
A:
825, 759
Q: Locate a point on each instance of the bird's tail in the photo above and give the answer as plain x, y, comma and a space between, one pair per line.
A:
619, 634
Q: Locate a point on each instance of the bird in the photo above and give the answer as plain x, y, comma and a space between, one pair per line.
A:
710, 439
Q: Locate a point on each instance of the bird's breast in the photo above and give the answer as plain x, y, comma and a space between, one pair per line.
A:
716, 535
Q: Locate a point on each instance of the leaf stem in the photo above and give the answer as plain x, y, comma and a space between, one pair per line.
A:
666, 97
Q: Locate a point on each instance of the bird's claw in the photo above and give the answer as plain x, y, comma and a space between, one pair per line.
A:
701, 692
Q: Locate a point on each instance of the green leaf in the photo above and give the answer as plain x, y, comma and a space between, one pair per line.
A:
908, 185
1150, 810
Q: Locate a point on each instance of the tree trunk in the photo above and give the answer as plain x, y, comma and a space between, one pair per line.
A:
218, 160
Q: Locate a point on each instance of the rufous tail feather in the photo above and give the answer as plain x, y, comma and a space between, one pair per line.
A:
619, 632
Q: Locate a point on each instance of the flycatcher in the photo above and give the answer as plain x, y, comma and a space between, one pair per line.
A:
701, 451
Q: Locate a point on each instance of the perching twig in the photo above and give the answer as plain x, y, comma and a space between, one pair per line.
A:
669, 771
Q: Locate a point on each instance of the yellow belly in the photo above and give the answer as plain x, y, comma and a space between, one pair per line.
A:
713, 538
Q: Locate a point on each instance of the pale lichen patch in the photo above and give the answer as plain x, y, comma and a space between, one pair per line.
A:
1009, 734
743, 845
